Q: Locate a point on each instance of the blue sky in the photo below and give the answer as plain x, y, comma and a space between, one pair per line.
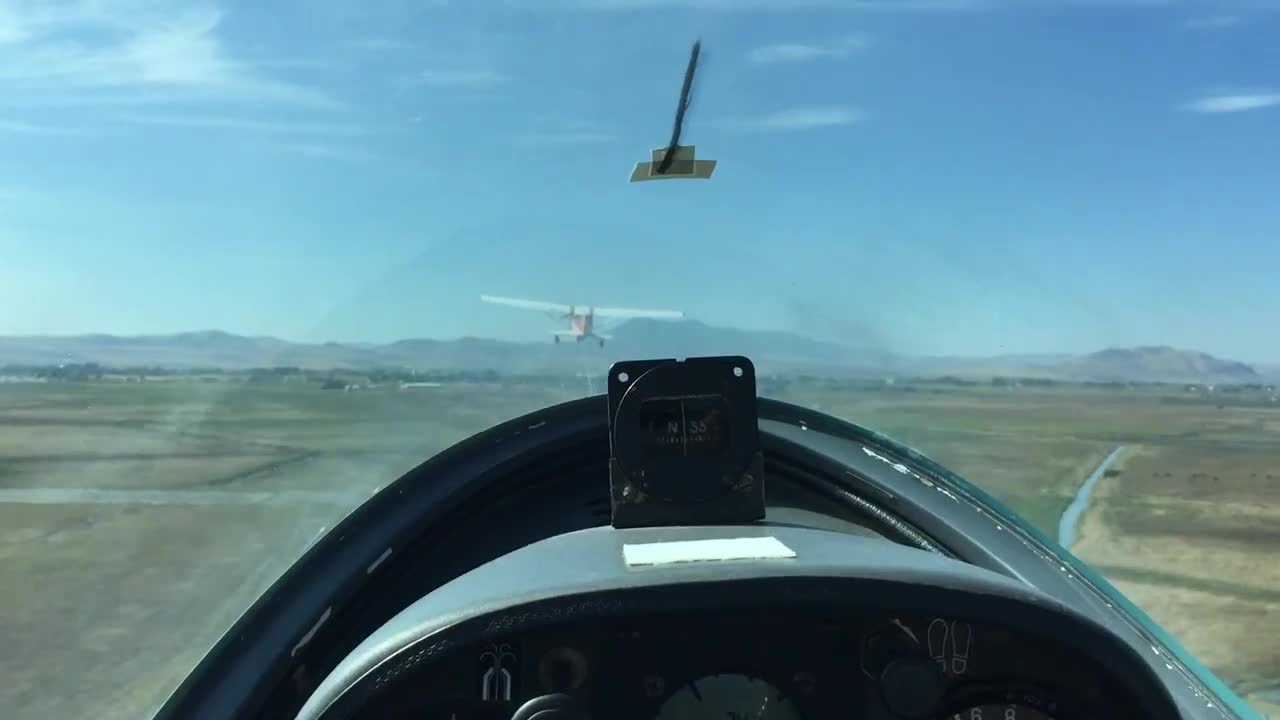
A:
946, 177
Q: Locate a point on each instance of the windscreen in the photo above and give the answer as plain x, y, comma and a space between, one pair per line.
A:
258, 259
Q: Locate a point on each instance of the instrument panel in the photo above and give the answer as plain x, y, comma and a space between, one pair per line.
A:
767, 666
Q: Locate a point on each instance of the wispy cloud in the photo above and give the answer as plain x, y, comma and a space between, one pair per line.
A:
376, 43
869, 5
875, 6
805, 52
89, 46
802, 119
1231, 103
1214, 22
462, 78
19, 127
91, 97
241, 124
563, 138
326, 151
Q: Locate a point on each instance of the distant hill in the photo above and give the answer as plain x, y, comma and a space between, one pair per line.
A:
1139, 364
783, 350
772, 351
632, 339
212, 348
1269, 372
1158, 363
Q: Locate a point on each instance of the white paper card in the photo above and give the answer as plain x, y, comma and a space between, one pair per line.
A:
681, 551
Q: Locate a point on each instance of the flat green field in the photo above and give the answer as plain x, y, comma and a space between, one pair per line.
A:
133, 531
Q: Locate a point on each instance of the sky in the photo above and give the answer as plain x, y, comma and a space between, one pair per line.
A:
960, 177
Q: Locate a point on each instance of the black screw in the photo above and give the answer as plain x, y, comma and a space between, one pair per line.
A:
653, 686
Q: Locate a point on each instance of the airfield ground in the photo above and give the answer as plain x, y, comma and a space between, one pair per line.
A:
138, 520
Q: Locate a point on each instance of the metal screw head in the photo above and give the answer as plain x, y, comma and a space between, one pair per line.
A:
653, 686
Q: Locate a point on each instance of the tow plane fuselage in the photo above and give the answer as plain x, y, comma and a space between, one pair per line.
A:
582, 318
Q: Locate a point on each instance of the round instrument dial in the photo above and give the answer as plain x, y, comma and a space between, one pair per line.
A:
1001, 712
731, 697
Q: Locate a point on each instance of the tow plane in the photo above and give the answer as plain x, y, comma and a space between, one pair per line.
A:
582, 318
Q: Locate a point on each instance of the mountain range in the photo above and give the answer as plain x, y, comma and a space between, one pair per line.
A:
772, 351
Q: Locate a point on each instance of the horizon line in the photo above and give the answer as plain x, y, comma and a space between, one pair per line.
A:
354, 343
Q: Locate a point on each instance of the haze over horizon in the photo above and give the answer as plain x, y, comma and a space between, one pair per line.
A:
943, 179
782, 335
